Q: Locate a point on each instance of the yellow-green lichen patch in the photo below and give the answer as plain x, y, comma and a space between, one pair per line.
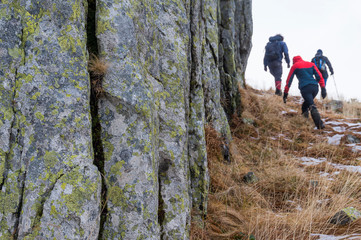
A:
50, 159
54, 212
83, 189
66, 40
39, 116
55, 112
16, 53
108, 150
120, 196
115, 169
35, 95
7, 113
10, 198
2, 165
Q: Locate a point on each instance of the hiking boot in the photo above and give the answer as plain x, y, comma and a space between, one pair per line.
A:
305, 114
316, 117
278, 92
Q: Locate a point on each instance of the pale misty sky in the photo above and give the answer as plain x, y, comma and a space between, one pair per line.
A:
331, 25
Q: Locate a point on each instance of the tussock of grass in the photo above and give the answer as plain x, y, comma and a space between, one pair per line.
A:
291, 200
97, 68
352, 109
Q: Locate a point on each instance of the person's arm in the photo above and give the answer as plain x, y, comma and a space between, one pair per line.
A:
329, 65
285, 52
291, 74
318, 76
265, 62
320, 80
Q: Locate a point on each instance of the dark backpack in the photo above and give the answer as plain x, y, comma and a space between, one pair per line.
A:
273, 50
320, 63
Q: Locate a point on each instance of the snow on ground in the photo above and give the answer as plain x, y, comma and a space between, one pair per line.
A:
290, 111
309, 161
354, 147
335, 139
335, 131
284, 137
340, 128
347, 167
331, 237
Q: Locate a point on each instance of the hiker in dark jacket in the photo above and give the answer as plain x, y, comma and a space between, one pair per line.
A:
274, 63
308, 79
321, 61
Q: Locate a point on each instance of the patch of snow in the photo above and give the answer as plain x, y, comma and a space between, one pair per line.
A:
335, 139
339, 129
323, 201
284, 137
354, 147
290, 111
300, 100
332, 237
347, 167
334, 123
351, 144
351, 119
327, 175
353, 124
309, 161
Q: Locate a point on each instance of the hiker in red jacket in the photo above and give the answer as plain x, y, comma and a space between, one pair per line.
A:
308, 79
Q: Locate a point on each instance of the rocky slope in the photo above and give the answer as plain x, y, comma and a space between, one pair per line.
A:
130, 164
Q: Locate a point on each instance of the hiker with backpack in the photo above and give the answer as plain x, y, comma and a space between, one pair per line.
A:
321, 61
274, 51
309, 77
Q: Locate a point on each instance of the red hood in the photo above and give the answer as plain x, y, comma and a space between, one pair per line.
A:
297, 59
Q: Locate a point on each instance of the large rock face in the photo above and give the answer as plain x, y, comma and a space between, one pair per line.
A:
170, 64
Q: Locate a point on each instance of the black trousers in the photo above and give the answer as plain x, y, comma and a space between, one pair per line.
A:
275, 68
308, 92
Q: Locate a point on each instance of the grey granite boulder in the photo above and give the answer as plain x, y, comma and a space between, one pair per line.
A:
47, 128
174, 67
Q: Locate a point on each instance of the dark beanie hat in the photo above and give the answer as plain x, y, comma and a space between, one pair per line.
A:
319, 51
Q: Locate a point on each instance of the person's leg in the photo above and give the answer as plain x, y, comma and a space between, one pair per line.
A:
314, 91
316, 117
325, 81
308, 93
304, 109
276, 70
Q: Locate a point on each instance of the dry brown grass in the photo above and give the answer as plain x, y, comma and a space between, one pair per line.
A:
352, 109
97, 68
291, 200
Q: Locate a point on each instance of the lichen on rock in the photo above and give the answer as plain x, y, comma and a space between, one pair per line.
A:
173, 68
